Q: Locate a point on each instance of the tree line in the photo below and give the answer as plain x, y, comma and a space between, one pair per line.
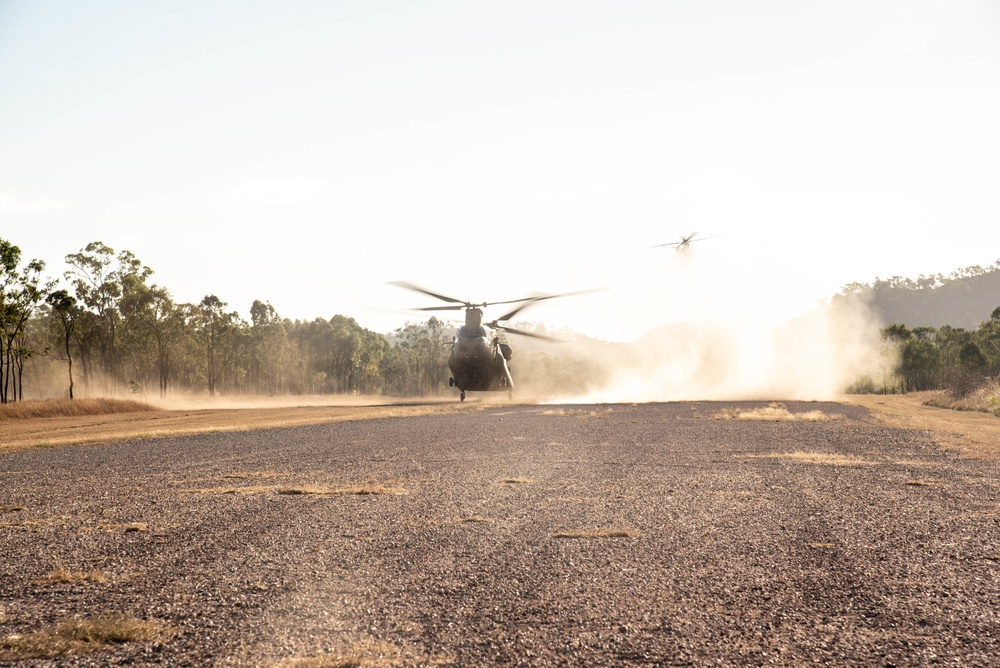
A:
106, 328
948, 358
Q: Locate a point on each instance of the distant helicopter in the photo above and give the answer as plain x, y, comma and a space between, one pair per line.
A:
684, 245
480, 353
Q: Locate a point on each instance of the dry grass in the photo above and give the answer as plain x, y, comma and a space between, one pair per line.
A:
244, 475
325, 661
598, 533
61, 575
46, 408
921, 483
79, 636
476, 519
973, 433
37, 524
816, 458
249, 489
71, 430
301, 490
983, 399
361, 490
569, 412
775, 412
517, 481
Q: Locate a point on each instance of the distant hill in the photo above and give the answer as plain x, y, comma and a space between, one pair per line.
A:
964, 299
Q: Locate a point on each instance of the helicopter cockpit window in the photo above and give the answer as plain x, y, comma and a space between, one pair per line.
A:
470, 332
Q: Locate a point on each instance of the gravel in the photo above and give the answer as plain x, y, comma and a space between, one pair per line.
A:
605, 535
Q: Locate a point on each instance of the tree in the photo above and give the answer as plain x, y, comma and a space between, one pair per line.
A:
220, 334
919, 365
104, 284
268, 340
20, 293
63, 304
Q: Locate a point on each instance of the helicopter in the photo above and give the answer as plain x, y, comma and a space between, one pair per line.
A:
684, 245
480, 354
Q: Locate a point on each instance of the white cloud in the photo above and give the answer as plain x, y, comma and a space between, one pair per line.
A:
297, 192
12, 201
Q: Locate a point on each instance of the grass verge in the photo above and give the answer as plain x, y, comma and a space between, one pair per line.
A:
43, 408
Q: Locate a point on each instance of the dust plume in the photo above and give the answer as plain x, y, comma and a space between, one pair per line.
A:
735, 342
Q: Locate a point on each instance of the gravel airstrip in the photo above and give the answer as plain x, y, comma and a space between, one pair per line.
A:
653, 534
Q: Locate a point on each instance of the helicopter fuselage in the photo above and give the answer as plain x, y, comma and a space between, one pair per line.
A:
477, 361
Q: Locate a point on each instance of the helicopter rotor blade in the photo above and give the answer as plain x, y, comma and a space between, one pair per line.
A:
540, 298
457, 307
417, 288
521, 332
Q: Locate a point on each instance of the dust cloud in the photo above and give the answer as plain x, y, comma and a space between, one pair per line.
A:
731, 340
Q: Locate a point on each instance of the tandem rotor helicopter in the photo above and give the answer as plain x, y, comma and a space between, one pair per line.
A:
480, 353
684, 245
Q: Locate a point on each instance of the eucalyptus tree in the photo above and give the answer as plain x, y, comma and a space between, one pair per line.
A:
168, 324
21, 290
102, 280
63, 305
426, 353
221, 335
268, 357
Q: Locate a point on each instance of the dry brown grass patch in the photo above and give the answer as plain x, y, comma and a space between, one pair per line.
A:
816, 458
570, 412
79, 636
775, 412
62, 575
921, 483
476, 519
250, 489
361, 490
36, 524
245, 475
983, 399
598, 533
325, 661
44, 408
301, 490
517, 481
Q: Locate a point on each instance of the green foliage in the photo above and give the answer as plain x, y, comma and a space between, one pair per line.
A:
920, 365
950, 358
21, 291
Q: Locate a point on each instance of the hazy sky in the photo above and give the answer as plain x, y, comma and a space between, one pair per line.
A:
305, 153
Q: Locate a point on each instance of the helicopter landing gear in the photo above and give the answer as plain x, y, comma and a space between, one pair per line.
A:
451, 382
462, 396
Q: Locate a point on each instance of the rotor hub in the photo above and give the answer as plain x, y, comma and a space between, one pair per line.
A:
473, 317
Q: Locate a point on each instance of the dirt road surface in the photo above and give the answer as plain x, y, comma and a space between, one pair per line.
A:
611, 535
